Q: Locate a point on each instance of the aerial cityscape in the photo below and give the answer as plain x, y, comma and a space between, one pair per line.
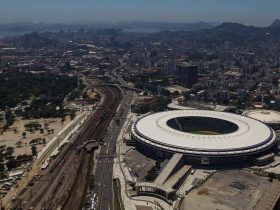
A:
140, 105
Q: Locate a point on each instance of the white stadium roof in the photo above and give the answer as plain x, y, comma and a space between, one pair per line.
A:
251, 135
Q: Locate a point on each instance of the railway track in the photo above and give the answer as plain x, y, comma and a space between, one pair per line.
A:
81, 181
48, 152
66, 178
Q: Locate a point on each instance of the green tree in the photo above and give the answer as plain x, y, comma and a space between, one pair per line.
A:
18, 144
2, 168
175, 93
272, 175
1, 157
12, 163
142, 108
2, 148
10, 151
9, 118
72, 114
24, 134
165, 92
139, 85
34, 150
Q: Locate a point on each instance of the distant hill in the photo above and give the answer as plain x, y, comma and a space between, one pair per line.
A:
237, 29
239, 33
276, 23
236, 33
201, 31
137, 26
165, 26
233, 27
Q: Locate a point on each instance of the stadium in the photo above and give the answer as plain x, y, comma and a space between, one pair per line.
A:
205, 137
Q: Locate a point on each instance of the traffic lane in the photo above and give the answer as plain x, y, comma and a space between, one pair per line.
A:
106, 186
107, 198
102, 167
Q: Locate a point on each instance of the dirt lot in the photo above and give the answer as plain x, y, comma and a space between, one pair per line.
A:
143, 207
93, 95
227, 190
15, 134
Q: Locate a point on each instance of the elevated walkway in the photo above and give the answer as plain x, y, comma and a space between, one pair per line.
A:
174, 164
176, 180
169, 179
149, 188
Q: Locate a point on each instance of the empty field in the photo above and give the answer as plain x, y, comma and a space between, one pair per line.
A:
227, 190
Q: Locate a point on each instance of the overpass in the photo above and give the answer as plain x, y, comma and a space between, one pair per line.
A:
116, 85
173, 165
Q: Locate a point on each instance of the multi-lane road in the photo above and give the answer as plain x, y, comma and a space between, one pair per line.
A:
103, 190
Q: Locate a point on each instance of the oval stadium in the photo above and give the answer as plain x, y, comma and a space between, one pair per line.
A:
205, 137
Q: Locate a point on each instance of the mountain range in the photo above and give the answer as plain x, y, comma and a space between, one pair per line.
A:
276, 23
135, 26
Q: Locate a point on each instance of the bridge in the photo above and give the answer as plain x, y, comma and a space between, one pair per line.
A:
116, 85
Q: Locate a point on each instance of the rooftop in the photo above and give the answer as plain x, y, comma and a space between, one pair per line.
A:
186, 64
250, 135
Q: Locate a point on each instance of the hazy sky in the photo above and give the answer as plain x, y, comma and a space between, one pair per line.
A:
255, 12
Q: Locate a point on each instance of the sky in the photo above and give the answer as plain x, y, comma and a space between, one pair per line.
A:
249, 12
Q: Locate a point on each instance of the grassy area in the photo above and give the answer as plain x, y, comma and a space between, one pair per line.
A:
118, 202
43, 92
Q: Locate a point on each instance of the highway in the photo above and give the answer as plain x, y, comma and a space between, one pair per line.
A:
104, 174
103, 188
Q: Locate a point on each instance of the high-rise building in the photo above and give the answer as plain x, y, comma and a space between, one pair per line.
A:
171, 67
187, 74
